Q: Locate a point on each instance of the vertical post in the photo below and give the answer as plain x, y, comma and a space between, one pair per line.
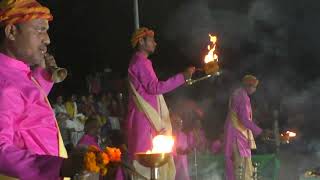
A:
154, 173
276, 130
196, 162
136, 14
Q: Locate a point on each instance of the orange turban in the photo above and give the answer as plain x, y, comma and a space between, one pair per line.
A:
19, 11
250, 80
139, 34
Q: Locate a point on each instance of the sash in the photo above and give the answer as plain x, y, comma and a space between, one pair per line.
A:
247, 133
62, 150
2, 177
159, 120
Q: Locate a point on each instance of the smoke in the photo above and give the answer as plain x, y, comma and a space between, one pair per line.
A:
213, 172
192, 22
276, 40
208, 170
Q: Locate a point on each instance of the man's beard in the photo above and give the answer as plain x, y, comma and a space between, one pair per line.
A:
150, 52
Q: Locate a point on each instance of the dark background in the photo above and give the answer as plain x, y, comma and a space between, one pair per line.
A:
277, 40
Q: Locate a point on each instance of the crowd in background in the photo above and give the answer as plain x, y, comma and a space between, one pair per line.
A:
202, 116
73, 112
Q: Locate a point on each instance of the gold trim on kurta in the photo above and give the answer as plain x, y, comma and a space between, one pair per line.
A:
159, 120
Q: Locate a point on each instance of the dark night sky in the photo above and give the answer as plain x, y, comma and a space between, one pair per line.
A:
87, 37
278, 40
90, 36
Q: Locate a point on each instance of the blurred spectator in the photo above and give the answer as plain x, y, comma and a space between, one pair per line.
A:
65, 132
196, 137
75, 128
181, 148
114, 108
71, 106
103, 105
72, 109
91, 133
90, 138
81, 104
88, 106
59, 107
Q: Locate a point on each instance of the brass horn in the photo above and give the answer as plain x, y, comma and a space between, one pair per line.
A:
58, 74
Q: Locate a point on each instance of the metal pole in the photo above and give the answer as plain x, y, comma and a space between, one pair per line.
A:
196, 162
136, 14
154, 173
276, 130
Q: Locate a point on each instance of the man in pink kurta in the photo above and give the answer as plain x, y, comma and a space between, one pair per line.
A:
141, 74
235, 141
181, 155
181, 148
92, 131
29, 136
143, 78
90, 138
197, 138
28, 132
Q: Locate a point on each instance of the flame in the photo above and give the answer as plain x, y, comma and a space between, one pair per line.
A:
291, 134
162, 144
287, 136
211, 56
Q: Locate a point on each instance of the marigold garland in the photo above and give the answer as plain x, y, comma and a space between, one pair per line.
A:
114, 154
97, 161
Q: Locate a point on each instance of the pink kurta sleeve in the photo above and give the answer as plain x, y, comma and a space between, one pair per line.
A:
243, 110
88, 141
44, 79
15, 161
143, 70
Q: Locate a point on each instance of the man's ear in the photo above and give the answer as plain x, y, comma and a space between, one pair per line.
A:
141, 42
10, 32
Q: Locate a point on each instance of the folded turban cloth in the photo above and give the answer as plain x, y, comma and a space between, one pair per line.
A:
139, 34
250, 80
19, 11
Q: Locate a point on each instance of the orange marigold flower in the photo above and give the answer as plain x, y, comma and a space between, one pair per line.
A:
103, 158
97, 161
114, 154
90, 162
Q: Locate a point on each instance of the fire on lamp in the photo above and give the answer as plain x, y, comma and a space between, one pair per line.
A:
158, 156
211, 66
285, 137
162, 144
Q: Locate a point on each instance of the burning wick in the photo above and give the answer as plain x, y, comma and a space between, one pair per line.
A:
286, 136
162, 144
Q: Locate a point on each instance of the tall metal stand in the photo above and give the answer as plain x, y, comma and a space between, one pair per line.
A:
196, 162
136, 14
